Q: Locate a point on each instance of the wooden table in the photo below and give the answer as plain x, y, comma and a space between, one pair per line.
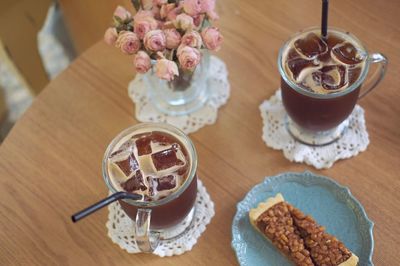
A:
50, 162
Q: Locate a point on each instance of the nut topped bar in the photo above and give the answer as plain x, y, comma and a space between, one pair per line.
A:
273, 219
298, 236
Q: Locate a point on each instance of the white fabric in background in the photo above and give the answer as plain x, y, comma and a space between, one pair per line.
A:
54, 44
17, 96
56, 53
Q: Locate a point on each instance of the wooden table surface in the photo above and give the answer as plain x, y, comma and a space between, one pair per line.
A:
50, 164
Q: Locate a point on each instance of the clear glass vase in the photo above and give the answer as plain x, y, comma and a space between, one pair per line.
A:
187, 93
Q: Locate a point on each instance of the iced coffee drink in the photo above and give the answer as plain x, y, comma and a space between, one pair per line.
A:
158, 164
320, 67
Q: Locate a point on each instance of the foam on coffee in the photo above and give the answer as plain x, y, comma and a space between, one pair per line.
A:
151, 163
323, 66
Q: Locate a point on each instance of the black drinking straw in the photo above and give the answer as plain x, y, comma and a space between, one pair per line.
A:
98, 205
324, 19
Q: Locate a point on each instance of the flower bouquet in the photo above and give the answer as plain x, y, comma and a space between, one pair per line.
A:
169, 32
169, 39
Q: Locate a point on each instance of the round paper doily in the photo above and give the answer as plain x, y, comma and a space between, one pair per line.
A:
219, 89
275, 134
120, 227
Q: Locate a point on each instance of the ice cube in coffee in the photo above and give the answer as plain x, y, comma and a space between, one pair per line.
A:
322, 66
314, 67
153, 164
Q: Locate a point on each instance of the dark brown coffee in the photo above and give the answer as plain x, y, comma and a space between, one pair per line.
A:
155, 165
321, 67
171, 213
317, 114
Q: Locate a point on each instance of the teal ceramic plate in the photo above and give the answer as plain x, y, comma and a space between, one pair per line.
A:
331, 205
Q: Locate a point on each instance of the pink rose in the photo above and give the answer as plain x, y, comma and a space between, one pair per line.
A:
144, 22
142, 62
171, 16
192, 39
184, 22
156, 12
166, 69
159, 2
122, 13
212, 15
142, 14
128, 42
110, 36
161, 24
188, 57
154, 40
180, 48
147, 4
207, 5
166, 9
192, 7
173, 38
197, 20
212, 39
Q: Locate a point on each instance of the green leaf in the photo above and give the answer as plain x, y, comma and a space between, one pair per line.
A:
206, 23
119, 28
117, 20
136, 4
129, 27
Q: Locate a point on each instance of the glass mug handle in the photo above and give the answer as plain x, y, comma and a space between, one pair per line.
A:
146, 240
379, 73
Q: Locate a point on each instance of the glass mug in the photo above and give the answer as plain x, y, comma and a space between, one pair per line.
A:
320, 119
167, 217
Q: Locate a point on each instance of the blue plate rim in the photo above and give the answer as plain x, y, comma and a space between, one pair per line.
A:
270, 180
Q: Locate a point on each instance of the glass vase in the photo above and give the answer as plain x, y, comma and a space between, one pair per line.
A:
186, 94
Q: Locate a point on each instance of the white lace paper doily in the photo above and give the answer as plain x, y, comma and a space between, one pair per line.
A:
354, 140
219, 91
120, 227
